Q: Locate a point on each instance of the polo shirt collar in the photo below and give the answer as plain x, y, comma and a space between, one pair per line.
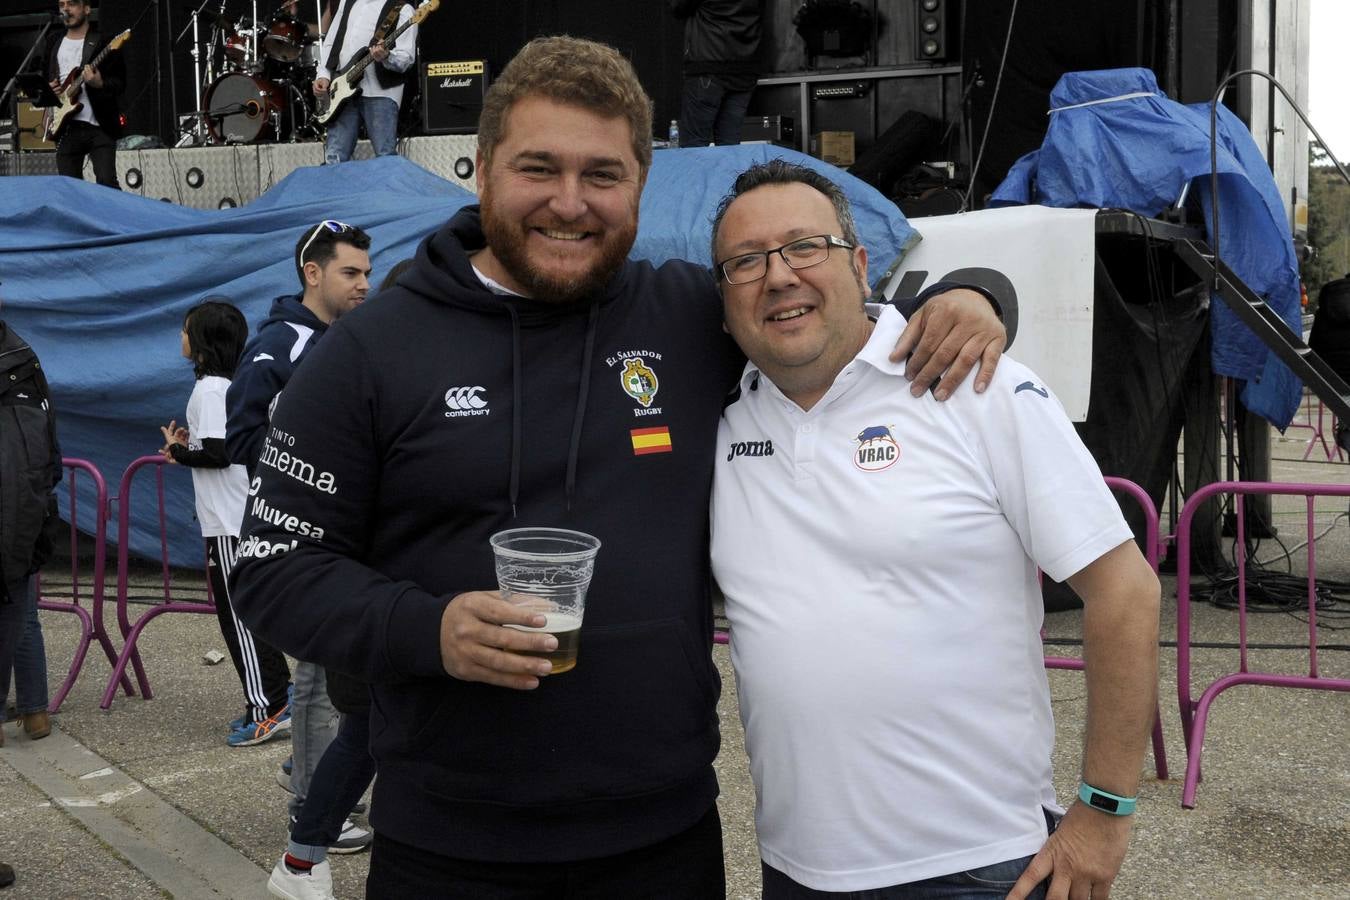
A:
889, 324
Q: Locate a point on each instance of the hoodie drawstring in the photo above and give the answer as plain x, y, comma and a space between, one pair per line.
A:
575, 447
516, 425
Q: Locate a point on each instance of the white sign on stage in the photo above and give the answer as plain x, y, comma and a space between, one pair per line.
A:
1038, 262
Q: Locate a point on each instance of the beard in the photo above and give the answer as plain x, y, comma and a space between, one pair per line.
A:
508, 242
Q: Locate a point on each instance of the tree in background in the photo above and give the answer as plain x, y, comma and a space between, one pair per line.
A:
1328, 223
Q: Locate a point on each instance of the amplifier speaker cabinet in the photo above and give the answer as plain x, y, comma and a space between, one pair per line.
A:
30, 128
452, 95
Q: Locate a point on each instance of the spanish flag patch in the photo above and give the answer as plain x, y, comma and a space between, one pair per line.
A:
651, 440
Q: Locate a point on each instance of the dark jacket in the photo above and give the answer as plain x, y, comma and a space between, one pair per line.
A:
267, 363
102, 100
439, 414
721, 37
30, 461
1330, 338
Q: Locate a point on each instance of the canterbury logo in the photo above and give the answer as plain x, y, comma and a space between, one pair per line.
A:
466, 401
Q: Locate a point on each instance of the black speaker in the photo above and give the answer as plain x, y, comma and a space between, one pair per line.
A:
452, 95
935, 30
912, 139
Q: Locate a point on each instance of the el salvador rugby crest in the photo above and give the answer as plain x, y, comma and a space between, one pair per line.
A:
876, 449
639, 381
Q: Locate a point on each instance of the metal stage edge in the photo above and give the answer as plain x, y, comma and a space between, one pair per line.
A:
240, 173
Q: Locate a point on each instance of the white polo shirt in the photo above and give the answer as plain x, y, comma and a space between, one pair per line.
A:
878, 555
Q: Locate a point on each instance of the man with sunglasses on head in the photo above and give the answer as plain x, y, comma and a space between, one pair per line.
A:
332, 261
525, 372
880, 570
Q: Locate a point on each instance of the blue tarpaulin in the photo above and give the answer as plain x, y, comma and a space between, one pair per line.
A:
98, 282
1115, 140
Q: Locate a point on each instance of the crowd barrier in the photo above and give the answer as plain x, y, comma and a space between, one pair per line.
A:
131, 632
1195, 713
91, 619
1152, 552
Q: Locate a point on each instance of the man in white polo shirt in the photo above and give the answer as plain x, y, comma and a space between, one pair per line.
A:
879, 562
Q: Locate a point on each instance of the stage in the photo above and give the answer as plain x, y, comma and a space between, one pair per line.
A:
237, 174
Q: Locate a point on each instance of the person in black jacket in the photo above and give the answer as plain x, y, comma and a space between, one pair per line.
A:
523, 372
94, 130
721, 63
30, 470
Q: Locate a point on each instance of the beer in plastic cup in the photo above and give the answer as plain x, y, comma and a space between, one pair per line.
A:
547, 570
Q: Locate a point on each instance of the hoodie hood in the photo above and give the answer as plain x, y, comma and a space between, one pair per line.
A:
290, 308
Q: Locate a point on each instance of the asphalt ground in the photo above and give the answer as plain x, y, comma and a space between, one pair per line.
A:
146, 800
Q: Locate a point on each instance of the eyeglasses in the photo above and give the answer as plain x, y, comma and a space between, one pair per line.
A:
331, 225
803, 253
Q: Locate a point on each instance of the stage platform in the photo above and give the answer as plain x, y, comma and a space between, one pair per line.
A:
233, 175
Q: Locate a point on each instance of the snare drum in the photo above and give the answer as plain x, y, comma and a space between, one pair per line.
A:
245, 109
285, 39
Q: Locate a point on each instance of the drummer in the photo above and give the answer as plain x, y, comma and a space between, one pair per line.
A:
356, 26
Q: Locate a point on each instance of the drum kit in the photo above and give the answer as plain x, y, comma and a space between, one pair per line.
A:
253, 77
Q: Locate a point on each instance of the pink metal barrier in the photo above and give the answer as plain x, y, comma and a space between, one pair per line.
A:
91, 619
1152, 552
132, 632
1194, 713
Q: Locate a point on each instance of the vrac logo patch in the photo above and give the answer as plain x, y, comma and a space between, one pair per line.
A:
466, 401
876, 450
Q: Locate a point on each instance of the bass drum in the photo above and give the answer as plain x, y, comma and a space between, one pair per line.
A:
245, 109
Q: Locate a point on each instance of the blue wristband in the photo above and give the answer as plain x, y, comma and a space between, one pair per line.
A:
1107, 802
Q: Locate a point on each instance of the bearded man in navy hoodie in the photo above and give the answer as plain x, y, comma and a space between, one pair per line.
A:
495, 387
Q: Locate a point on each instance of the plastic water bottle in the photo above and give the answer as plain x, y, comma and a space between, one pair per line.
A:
673, 136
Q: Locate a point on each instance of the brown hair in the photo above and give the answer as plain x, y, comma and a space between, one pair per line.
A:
571, 70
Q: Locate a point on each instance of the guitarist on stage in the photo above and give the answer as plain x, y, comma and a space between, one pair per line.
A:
357, 27
94, 130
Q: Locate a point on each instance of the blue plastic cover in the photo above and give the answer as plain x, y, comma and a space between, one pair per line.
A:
98, 282
1131, 147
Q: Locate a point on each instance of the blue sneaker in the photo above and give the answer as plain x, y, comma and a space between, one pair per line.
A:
263, 731
236, 724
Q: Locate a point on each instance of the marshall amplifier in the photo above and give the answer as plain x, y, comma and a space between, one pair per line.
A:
452, 95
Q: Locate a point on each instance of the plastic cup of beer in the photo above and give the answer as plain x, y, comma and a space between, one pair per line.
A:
548, 570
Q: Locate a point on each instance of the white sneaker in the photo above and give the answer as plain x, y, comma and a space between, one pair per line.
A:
316, 885
353, 839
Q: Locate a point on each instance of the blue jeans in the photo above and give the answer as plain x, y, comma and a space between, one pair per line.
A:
974, 884
343, 775
711, 114
22, 649
313, 727
380, 115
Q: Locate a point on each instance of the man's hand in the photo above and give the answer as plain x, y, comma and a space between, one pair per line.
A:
475, 646
1081, 858
92, 78
320, 86
951, 333
378, 52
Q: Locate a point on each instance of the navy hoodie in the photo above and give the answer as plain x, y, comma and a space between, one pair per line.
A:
439, 414
267, 363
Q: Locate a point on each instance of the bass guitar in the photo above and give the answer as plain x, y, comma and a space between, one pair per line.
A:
57, 117
346, 84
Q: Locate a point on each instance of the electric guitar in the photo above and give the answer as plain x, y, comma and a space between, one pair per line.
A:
56, 117
346, 83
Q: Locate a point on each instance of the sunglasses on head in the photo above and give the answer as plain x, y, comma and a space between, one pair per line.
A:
332, 225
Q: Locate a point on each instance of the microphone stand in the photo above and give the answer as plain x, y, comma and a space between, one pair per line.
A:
7, 95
